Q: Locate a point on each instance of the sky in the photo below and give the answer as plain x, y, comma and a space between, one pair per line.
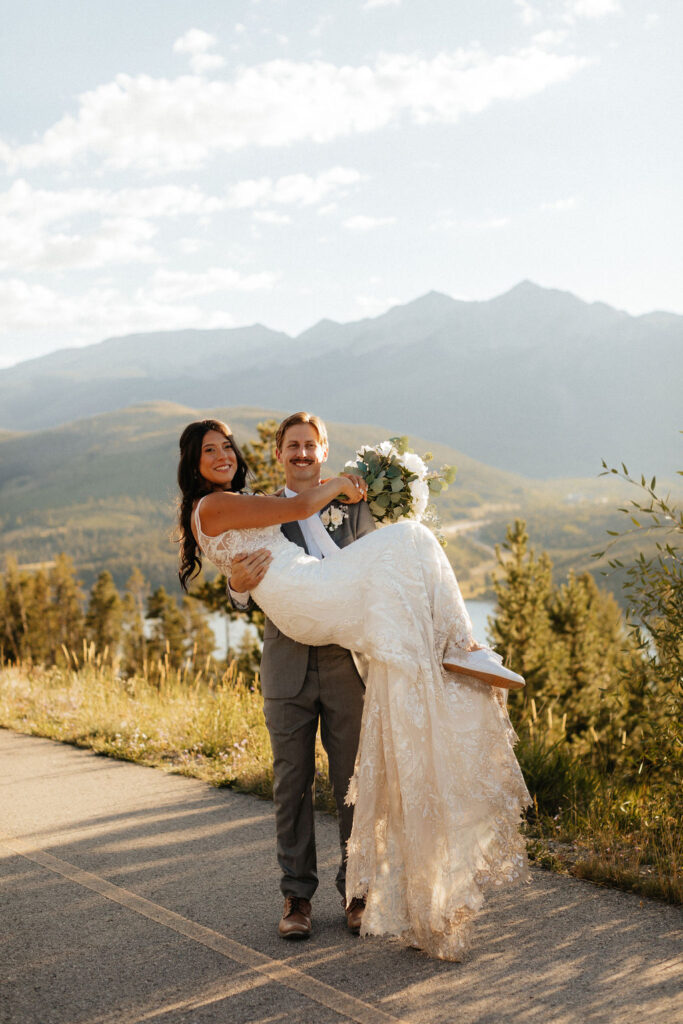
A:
216, 163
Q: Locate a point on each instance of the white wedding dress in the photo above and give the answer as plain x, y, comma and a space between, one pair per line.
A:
437, 790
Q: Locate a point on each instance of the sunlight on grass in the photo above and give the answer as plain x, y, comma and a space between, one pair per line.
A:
209, 724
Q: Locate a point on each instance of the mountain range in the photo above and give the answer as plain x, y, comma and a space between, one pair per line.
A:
535, 381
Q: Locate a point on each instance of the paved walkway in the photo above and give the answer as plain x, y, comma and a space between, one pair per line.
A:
128, 895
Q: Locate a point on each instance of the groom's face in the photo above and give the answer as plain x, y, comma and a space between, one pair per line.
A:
302, 456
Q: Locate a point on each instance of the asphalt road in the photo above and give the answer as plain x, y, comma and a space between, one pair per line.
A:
129, 895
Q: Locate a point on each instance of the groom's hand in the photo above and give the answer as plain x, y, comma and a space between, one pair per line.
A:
249, 570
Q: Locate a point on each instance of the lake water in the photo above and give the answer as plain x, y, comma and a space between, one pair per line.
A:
232, 631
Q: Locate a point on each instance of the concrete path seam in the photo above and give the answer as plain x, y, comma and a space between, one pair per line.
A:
276, 970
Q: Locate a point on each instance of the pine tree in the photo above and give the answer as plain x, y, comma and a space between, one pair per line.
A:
268, 474
133, 612
38, 615
66, 612
4, 624
15, 641
201, 641
168, 629
521, 628
588, 624
653, 588
103, 620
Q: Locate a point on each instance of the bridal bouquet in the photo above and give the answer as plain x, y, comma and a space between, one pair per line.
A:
399, 483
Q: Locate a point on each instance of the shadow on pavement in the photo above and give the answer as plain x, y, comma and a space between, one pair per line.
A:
556, 950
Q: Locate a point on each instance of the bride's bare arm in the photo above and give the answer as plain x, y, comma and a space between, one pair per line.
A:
223, 510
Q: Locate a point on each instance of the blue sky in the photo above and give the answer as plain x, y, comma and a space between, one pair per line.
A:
206, 164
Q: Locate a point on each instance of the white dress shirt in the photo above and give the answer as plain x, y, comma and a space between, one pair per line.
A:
318, 540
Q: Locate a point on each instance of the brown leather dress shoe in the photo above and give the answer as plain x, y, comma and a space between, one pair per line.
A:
296, 918
354, 913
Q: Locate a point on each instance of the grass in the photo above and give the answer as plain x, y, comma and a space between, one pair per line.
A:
591, 822
207, 722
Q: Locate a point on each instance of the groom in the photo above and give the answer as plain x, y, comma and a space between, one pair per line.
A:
306, 685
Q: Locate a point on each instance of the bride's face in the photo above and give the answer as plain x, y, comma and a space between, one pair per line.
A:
218, 462
302, 456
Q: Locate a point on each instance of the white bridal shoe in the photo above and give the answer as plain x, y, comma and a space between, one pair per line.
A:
483, 664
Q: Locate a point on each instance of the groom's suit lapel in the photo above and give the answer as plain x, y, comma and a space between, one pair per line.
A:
292, 531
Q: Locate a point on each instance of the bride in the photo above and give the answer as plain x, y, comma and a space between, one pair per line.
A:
437, 790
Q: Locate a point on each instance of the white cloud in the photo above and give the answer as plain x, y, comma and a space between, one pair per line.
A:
369, 5
96, 312
593, 8
363, 223
550, 38
562, 205
173, 285
320, 26
492, 224
197, 43
271, 217
24, 202
51, 229
161, 303
195, 40
48, 229
115, 240
371, 305
527, 12
202, 63
167, 125
189, 246
294, 189
447, 222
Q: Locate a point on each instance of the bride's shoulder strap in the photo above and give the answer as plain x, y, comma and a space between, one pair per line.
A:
197, 522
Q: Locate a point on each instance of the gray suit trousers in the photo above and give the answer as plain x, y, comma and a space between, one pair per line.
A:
332, 691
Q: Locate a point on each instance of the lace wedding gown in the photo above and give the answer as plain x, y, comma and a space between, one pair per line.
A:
437, 790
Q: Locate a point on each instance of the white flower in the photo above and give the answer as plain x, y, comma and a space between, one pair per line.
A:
386, 448
413, 463
331, 518
419, 492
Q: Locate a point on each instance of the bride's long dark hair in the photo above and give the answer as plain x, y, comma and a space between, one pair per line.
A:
193, 486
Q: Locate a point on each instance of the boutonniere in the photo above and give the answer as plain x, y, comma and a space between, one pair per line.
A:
332, 518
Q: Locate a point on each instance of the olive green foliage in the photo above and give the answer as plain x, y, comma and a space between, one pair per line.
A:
600, 719
389, 480
168, 641
104, 618
267, 473
40, 611
42, 622
653, 586
134, 652
570, 643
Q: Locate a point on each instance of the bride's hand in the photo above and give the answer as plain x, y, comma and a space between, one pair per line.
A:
358, 482
349, 492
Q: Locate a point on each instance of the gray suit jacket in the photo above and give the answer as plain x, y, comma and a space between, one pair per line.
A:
284, 661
